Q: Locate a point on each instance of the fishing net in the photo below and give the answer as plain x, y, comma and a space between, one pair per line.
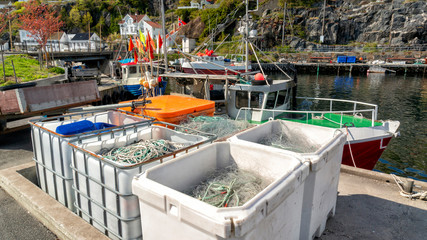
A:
221, 126
141, 151
229, 187
281, 138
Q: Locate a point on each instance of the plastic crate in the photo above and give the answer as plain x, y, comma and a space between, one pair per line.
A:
274, 213
341, 59
52, 153
103, 187
325, 162
351, 59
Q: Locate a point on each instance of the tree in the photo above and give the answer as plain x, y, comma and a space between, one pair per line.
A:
75, 16
41, 21
4, 19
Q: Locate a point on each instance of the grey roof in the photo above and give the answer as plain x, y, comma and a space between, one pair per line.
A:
81, 36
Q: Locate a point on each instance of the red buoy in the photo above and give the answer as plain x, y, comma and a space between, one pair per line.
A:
259, 77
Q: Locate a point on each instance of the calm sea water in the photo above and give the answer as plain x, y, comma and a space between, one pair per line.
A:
399, 98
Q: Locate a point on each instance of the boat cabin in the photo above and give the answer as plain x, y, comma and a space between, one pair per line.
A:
244, 99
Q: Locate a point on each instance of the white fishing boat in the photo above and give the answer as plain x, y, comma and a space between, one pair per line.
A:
216, 65
378, 69
133, 73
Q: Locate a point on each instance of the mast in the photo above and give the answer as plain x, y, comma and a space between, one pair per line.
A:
284, 20
246, 36
323, 22
165, 53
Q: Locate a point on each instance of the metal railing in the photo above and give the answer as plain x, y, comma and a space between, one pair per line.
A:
276, 113
339, 48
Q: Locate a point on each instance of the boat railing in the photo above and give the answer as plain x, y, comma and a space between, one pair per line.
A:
307, 113
355, 104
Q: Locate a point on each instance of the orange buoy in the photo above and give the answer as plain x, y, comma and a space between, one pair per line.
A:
259, 77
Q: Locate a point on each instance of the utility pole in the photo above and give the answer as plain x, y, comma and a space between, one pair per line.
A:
162, 9
323, 22
391, 22
100, 41
284, 22
88, 39
10, 35
246, 37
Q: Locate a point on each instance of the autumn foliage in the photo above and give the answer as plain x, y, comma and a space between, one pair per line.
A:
4, 18
41, 20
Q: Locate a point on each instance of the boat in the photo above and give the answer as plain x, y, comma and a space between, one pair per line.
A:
212, 64
258, 99
378, 69
132, 74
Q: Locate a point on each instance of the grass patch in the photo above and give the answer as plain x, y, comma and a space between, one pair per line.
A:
27, 69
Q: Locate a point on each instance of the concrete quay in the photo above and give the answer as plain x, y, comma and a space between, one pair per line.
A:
369, 205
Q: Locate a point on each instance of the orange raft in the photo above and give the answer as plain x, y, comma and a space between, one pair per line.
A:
173, 108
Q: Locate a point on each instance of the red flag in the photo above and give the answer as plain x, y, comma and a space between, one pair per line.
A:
149, 46
151, 41
130, 44
160, 42
135, 60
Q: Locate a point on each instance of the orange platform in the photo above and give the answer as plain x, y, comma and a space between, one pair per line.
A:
174, 109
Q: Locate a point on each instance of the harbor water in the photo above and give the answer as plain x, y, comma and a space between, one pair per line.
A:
402, 98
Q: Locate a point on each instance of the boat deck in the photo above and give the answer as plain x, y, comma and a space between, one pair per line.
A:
327, 120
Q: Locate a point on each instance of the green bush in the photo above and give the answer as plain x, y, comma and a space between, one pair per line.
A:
57, 70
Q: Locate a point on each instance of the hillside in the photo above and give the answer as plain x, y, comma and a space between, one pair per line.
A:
382, 22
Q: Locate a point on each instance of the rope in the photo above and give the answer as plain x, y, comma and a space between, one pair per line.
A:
403, 193
141, 151
349, 148
229, 187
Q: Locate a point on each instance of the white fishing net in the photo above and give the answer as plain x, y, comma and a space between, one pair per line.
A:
221, 126
229, 187
289, 139
141, 151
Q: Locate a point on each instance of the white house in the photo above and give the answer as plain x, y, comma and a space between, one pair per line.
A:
60, 41
131, 24
5, 4
82, 42
201, 5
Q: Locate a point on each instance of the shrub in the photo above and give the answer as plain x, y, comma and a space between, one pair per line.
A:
57, 70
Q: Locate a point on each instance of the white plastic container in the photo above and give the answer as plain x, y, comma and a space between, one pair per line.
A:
274, 213
103, 187
326, 145
52, 153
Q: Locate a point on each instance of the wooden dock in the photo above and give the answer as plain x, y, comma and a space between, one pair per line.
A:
337, 68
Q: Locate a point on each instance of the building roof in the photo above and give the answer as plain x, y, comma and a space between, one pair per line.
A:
153, 24
81, 36
136, 18
56, 36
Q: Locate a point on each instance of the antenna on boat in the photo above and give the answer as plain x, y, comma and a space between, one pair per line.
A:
165, 54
